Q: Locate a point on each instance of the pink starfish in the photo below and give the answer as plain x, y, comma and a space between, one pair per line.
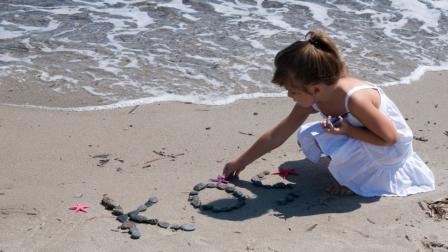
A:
79, 208
220, 180
285, 172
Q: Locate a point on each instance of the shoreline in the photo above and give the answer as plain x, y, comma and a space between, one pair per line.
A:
48, 164
89, 100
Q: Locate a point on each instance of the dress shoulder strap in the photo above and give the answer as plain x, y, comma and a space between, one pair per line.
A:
314, 105
357, 88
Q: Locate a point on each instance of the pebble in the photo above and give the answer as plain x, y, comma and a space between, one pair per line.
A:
196, 203
237, 194
127, 225
152, 221
108, 203
141, 208
187, 227
122, 218
230, 188
117, 211
138, 218
151, 201
221, 186
279, 185
199, 186
135, 233
266, 172
175, 226
194, 192
256, 181
211, 185
163, 224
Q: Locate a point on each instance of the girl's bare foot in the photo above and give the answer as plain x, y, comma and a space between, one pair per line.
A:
339, 190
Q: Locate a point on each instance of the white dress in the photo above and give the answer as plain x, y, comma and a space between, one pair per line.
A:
367, 169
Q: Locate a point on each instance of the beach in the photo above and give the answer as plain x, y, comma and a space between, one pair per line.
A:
50, 162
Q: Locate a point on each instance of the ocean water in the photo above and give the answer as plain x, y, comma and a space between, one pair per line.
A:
130, 52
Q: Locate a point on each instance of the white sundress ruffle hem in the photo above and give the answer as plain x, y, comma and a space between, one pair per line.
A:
366, 169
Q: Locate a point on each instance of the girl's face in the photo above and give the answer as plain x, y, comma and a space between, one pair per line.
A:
300, 97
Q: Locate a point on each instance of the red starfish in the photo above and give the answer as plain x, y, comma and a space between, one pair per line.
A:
79, 208
220, 180
285, 172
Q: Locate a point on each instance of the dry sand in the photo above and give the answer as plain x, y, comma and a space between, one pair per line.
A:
47, 166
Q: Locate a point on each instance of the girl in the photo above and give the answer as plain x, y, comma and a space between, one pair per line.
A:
363, 133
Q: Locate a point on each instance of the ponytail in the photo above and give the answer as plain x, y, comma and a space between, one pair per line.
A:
314, 60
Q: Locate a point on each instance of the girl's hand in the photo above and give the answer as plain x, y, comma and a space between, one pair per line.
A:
232, 169
342, 129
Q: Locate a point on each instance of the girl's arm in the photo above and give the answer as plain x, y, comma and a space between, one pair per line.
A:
378, 129
269, 140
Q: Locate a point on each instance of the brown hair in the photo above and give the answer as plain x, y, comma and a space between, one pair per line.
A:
304, 63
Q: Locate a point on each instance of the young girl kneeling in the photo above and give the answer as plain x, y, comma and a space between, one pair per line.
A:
362, 132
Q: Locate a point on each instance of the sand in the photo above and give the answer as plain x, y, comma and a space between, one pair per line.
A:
48, 165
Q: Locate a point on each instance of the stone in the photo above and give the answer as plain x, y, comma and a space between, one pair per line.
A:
256, 181
199, 186
237, 194
196, 203
135, 233
207, 207
187, 227
138, 218
230, 188
151, 201
266, 172
211, 185
127, 225
108, 203
190, 197
194, 193
133, 213
117, 211
221, 186
152, 221
279, 185
141, 208
163, 224
175, 226
122, 218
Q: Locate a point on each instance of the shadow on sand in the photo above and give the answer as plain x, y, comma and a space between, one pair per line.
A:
310, 185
